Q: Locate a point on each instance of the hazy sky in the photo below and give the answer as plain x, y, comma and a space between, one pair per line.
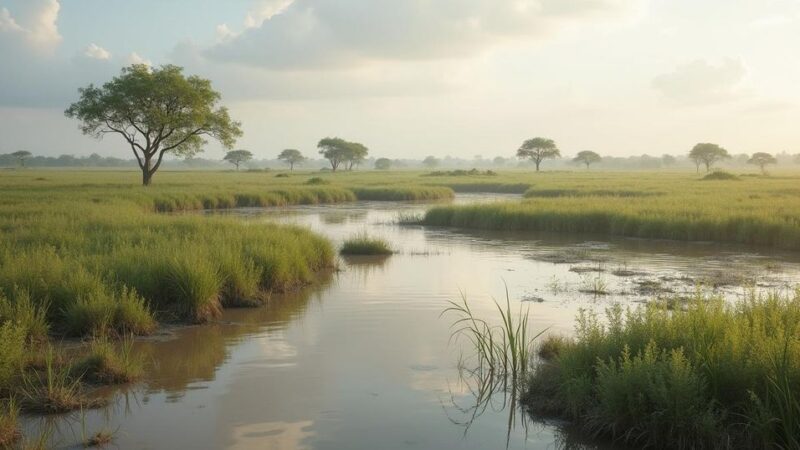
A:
410, 78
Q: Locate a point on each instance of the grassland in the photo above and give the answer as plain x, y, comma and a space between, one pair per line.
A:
680, 206
717, 375
92, 254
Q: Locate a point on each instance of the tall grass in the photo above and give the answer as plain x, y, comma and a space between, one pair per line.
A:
9, 423
396, 193
715, 375
501, 349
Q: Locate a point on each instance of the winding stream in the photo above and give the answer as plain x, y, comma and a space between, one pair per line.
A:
363, 360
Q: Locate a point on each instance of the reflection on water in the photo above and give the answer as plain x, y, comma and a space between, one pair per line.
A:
362, 359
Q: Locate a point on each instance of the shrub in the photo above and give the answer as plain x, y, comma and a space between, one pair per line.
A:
720, 175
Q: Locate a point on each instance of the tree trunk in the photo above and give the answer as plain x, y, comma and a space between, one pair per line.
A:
708, 166
537, 165
147, 174
291, 166
237, 166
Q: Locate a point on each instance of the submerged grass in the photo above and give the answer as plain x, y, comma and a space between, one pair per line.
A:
715, 375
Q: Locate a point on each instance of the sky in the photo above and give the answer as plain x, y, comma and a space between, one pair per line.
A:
410, 78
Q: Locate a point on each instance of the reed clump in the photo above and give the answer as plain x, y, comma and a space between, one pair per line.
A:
713, 375
363, 244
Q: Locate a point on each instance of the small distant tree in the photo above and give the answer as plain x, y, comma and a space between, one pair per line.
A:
157, 111
21, 156
356, 154
237, 157
537, 150
431, 162
291, 157
761, 160
499, 161
341, 153
383, 164
707, 154
668, 160
587, 157
335, 150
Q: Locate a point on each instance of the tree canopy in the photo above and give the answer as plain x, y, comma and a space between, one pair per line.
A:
237, 157
761, 160
430, 162
708, 154
383, 164
340, 152
21, 156
537, 150
587, 157
291, 157
157, 111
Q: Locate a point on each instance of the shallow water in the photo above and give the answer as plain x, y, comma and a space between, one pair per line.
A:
364, 360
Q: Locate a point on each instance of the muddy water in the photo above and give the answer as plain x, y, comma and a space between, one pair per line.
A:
363, 359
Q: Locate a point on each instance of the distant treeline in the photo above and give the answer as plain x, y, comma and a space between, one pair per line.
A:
447, 162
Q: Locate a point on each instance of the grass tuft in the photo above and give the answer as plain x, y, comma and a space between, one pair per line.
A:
363, 244
107, 363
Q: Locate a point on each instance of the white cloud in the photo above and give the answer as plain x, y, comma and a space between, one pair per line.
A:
702, 82
34, 22
341, 33
263, 10
224, 33
135, 58
94, 51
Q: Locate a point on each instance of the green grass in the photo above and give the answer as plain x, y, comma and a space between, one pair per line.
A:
109, 363
363, 244
679, 206
52, 389
416, 193
715, 375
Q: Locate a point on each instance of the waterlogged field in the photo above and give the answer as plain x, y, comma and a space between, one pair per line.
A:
352, 350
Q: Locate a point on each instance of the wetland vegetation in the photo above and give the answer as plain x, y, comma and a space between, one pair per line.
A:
106, 261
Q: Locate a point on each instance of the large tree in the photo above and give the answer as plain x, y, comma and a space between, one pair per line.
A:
761, 159
708, 154
587, 157
237, 157
291, 157
157, 111
537, 150
21, 156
